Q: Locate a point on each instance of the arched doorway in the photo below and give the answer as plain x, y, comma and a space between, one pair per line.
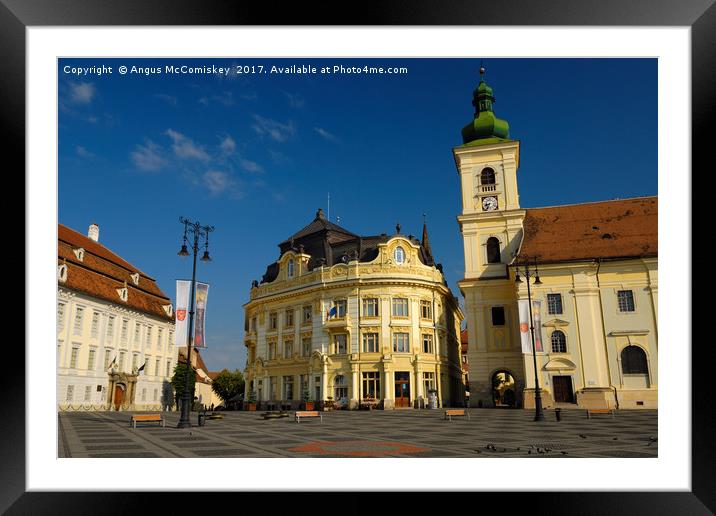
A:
118, 396
503, 389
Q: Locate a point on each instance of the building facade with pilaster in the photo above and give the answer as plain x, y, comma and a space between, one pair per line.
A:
115, 330
348, 319
597, 333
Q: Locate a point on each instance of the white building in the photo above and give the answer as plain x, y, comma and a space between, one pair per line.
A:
115, 330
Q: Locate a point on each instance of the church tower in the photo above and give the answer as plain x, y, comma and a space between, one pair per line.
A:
491, 227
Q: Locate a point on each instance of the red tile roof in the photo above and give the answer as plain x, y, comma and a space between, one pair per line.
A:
626, 228
101, 273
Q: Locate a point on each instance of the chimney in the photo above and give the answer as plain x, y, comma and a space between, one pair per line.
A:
93, 232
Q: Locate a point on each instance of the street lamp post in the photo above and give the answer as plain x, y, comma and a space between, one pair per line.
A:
539, 414
197, 231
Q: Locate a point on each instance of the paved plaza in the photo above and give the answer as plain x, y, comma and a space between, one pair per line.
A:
398, 433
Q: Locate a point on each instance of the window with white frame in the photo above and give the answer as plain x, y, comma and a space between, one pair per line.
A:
171, 338
370, 343
94, 327
169, 368
160, 334
110, 328
70, 393
91, 358
287, 348
79, 312
60, 316
88, 392
559, 342
400, 307
306, 314
271, 350
399, 255
137, 331
306, 347
273, 321
287, 387
122, 360
289, 317
144, 394
340, 344
124, 331
290, 268
273, 387
426, 310
156, 394
371, 385
341, 306
135, 361
370, 307
554, 304
148, 365
148, 335
625, 299
428, 343
428, 382
107, 358
401, 342
73, 357
340, 385
156, 368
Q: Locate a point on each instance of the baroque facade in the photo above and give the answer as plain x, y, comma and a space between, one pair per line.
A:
344, 318
598, 265
115, 345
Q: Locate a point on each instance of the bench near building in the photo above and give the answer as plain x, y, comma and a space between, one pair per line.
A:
346, 318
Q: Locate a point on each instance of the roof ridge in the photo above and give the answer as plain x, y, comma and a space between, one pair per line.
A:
593, 202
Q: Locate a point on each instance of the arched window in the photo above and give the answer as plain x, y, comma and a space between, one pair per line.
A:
493, 250
559, 342
487, 177
290, 268
634, 360
399, 255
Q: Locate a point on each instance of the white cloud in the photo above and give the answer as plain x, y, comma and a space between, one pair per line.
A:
295, 100
326, 135
227, 145
251, 166
83, 152
167, 98
217, 182
148, 156
185, 147
82, 93
275, 130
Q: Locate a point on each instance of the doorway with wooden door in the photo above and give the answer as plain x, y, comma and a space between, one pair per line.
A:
118, 396
563, 392
402, 390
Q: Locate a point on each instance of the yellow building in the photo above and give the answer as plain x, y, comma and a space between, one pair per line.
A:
344, 318
597, 264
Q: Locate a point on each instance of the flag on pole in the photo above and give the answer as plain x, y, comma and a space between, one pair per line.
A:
537, 318
332, 312
114, 361
141, 368
202, 293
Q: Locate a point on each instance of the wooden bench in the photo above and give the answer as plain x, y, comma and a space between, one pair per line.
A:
599, 411
215, 415
146, 418
456, 412
307, 413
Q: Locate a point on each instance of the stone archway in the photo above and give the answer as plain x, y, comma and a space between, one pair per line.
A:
121, 390
504, 389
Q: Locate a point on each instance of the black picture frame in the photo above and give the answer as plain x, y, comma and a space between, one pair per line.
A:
700, 15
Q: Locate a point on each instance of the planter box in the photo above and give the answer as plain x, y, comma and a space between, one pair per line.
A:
251, 406
308, 405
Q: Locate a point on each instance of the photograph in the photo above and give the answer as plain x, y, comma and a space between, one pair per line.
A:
343, 257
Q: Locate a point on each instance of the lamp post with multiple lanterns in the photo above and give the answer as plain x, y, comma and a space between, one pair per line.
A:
197, 232
539, 414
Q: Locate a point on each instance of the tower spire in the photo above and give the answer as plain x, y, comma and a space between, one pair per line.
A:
485, 127
426, 241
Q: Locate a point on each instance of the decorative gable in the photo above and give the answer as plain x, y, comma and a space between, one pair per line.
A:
555, 323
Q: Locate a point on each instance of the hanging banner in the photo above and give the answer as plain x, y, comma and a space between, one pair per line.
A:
202, 293
523, 306
525, 337
537, 318
181, 319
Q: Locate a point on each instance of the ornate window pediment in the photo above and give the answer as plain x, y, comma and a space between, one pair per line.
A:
555, 323
560, 364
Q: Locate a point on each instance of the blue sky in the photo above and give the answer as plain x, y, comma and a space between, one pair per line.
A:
256, 154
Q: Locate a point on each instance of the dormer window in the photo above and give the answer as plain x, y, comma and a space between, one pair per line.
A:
399, 255
290, 268
123, 293
62, 273
168, 309
135, 278
79, 253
